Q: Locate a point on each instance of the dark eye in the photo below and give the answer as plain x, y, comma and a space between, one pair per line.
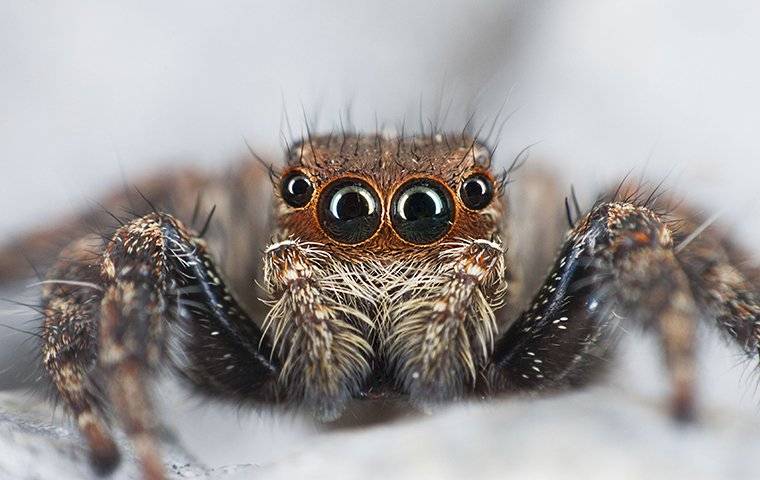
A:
422, 211
296, 189
349, 211
476, 192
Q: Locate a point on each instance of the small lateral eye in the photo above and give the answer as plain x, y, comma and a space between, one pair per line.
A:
296, 189
476, 191
349, 211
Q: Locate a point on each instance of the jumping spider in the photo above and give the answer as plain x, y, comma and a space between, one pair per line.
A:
383, 274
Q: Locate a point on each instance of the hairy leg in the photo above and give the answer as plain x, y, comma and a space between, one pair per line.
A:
39, 248
236, 236
317, 328
153, 277
442, 327
617, 265
725, 283
70, 345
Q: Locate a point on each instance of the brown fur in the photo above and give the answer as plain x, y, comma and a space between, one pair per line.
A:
385, 164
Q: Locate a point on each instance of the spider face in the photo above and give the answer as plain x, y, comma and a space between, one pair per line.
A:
374, 196
393, 247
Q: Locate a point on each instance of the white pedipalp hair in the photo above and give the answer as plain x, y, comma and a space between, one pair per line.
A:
386, 309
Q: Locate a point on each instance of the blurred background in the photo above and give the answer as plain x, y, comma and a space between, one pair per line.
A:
92, 93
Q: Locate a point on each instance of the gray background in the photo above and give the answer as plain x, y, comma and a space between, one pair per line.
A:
93, 91
89, 88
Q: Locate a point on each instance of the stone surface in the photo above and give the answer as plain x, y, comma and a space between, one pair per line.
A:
594, 435
604, 432
33, 446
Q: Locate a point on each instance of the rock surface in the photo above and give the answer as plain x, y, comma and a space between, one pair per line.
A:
600, 433
33, 446
594, 435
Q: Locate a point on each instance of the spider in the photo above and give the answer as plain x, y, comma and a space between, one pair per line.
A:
394, 266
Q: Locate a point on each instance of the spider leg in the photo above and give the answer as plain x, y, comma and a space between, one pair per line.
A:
723, 282
617, 265
441, 333
69, 336
239, 199
317, 328
41, 246
158, 295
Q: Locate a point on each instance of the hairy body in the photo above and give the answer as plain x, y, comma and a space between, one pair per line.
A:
387, 266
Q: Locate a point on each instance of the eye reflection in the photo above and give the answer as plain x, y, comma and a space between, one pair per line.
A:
419, 202
352, 202
422, 211
349, 211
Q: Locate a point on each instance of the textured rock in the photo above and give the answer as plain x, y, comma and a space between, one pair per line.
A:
601, 433
32, 446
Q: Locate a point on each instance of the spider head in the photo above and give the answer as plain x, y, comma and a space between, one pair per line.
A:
378, 196
391, 248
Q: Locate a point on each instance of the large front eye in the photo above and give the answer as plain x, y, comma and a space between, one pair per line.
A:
296, 189
349, 211
476, 192
422, 211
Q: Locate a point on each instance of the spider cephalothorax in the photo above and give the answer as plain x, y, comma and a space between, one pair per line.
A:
383, 272
390, 260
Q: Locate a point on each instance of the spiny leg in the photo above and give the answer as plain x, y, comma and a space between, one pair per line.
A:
176, 191
155, 275
617, 264
724, 283
149, 264
317, 330
239, 199
70, 300
442, 327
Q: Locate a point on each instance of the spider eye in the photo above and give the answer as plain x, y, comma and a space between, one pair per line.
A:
476, 191
349, 211
297, 189
422, 211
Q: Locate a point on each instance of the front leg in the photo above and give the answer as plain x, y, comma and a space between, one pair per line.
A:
617, 265
112, 312
442, 323
317, 328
